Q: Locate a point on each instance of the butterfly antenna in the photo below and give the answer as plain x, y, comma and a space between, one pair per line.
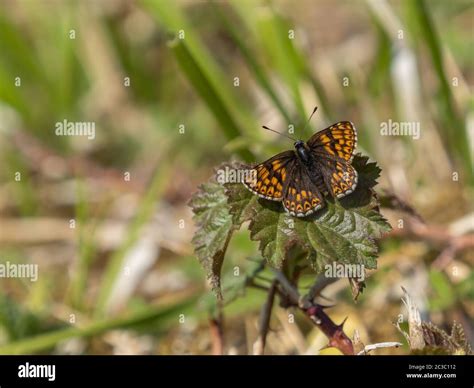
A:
307, 122
281, 134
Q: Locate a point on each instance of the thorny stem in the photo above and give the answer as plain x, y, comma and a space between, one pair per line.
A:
335, 333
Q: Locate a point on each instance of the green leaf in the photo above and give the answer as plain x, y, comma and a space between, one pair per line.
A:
273, 230
344, 231
214, 229
343, 236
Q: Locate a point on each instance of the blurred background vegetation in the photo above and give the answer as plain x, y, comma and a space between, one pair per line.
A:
177, 87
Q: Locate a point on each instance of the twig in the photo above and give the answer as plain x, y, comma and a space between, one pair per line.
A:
263, 278
258, 286
390, 200
420, 231
259, 346
335, 333
457, 244
452, 244
369, 348
290, 291
321, 283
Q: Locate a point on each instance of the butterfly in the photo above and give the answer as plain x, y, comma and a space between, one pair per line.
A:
300, 178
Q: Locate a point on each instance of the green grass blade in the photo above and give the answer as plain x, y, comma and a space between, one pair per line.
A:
278, 46
252, 63
452, 130
171, 17
86, 249
206, 90
143, 215
291, 55
161, 317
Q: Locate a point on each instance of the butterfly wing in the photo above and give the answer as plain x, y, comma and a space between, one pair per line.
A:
333, 149
302, 196
269, 179
339, 140
339, 176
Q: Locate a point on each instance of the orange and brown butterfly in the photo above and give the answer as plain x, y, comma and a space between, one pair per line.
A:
301, 178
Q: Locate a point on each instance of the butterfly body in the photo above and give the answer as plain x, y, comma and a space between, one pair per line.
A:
301, 178
303, 152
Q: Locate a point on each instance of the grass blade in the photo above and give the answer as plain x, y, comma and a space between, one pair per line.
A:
208, 93
251, 61
161, 317
452, 130
144, 213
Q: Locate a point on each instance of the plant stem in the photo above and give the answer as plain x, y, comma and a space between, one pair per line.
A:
217, 337
335, 333
321, 283
259, 346
216, 326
